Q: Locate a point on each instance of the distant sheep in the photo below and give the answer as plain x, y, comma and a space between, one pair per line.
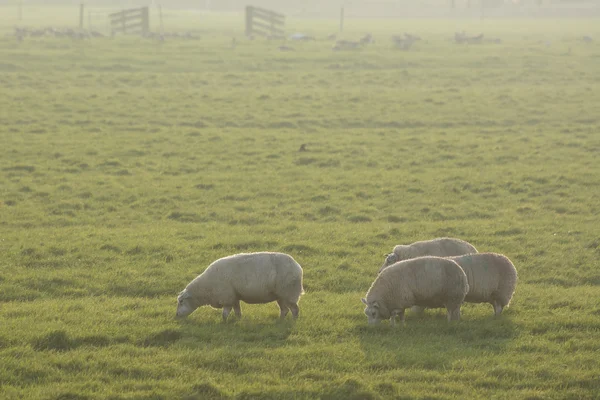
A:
424, 281
492, 279
440, 247
254, 278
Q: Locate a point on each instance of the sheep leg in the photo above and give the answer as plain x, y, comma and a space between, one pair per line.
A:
295, 310
453, 313
283, 308
397, 313
226, 311
237, 309
497, 308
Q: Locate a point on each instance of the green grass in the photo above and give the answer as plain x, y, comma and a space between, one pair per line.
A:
127, 166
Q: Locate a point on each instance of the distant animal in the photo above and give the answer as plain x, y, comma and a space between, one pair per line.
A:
302, 147
254, 278
409, 36
285, 48
462, 37
368, 38
475, 39
441, 247
405, 42
346, 45
425, 281
301, 37
587, 39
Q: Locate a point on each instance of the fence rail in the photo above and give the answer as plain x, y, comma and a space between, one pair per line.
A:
121, 22
260, 21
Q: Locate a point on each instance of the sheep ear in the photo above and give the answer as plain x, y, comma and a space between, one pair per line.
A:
364, 301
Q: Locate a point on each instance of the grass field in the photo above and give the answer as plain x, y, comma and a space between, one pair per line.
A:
127, 166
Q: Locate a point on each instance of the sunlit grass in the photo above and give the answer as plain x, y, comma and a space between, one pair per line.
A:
129, 165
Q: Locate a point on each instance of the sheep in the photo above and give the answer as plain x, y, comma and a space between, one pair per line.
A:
440, 247
424, 281
492, 279
255, 278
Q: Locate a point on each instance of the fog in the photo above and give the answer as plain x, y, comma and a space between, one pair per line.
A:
368, 8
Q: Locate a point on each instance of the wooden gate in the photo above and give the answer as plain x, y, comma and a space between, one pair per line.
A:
135, 20
260, 21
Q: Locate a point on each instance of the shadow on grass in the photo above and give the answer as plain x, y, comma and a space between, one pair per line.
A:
239, 332
60, 340
348, 389
429, 342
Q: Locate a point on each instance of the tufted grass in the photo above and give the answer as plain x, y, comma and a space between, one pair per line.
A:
128, 166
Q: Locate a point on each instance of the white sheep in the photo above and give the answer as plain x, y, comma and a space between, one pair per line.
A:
254, 278
424, 281
440, 247
492, 279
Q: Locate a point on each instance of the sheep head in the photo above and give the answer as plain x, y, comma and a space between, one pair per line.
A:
390, 259
372, 312
185, 304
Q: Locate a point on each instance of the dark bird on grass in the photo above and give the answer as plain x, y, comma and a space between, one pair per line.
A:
302, 147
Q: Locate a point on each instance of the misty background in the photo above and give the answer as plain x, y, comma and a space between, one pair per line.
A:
358, 8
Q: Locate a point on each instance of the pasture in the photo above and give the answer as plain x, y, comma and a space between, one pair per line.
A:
128, 165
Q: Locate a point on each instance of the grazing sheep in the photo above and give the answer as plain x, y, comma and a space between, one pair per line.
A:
492, 279
254, 278
424, 281
346, 45
440, 247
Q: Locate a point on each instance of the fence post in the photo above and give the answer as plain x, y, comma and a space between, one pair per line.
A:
160, 19
342, 19
482, 9
81, 14
248, 20
145, 21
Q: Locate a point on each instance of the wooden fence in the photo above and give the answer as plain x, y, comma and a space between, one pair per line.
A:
135, 20
260, 21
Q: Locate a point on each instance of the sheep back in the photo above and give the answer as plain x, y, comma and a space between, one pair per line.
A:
439, 247
424, 281
492, 277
